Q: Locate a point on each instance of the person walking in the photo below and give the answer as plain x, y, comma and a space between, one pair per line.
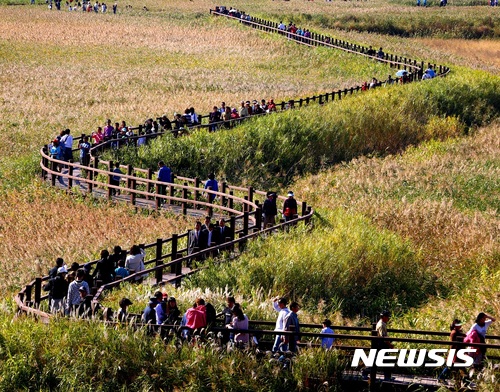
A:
164, 175
270, 210
290, 207
381, 329
280, 305
456, 335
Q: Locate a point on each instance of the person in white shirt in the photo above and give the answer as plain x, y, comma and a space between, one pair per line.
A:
135, 261
279, 305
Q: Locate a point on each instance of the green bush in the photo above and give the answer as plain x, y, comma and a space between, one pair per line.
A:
271, 151
81, 356
346, 262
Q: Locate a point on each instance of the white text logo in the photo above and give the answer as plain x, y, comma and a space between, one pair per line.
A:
413, 357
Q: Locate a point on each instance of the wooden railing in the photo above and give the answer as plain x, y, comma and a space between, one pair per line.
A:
243, 211
239, 203
414, 67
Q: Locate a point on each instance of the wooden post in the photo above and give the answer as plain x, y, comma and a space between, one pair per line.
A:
373, 370
197, 183
28, 294
175, 239
90, 176
245, 205
245, 223
250, 193
133, 195
308, 220
158, 200
258, 219
38, 291
232, 226
45, 161
304, 209
70, 174
150, 185
110, 169
231, 201
130, 171
53, 166
184, 199
158, 261
224, 190
171, 189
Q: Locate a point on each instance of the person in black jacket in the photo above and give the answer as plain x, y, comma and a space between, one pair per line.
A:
270, 210
105, 268
58, 287
53, 270
197, 241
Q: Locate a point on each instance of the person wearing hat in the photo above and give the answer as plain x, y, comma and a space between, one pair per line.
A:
122, 313
456, 335
248, 105
381, 329
243, 109
270, 210
58, 288
280, 305
289, 207
149, 314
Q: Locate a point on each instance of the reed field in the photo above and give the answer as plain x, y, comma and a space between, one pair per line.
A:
404, 180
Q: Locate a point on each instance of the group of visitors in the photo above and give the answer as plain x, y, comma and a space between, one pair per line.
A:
85, 6
233, 12
162, 309
288, 322
71, 289
208, 235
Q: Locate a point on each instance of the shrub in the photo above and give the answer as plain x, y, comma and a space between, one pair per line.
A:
345, 262
273, 150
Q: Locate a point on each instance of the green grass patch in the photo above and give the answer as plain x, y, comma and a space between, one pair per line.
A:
271, 151
345, 263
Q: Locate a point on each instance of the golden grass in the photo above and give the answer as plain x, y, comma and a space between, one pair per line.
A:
414, 195
40, 224
478, 54
75, 70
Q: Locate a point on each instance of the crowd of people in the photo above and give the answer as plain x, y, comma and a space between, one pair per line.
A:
162, 310
71, 289
84, 6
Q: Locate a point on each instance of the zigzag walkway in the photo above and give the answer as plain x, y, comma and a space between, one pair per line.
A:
168, 257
